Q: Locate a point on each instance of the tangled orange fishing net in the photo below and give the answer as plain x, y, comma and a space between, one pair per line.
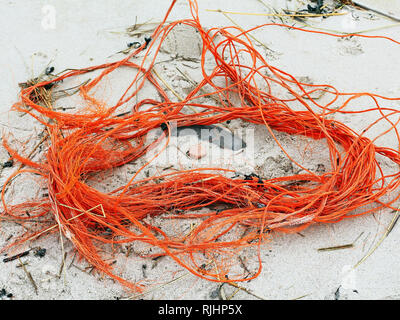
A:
99, 138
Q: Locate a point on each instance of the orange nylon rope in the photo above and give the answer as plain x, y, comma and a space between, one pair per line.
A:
91, 142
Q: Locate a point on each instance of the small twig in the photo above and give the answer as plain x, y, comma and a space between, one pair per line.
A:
245, 290
17, 256
73, 265
233, 294
281, 14
301, 297
73, 259
344, 246
28, 274
77, 88
23, 264
62, 265
359, 236
167, 85
244, 265
388, 230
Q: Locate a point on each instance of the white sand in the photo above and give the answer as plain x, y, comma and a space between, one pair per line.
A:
293, 267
